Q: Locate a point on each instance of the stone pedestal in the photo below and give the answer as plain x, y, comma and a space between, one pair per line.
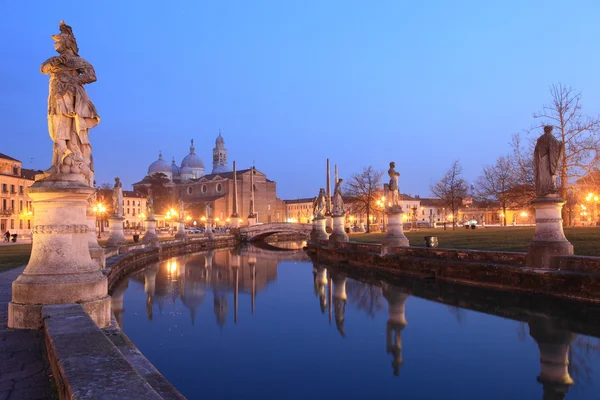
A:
395, 233
318, 230
96, 252
60, 269
251, 221
150, 236
549, 238
339, 233
116, 237
235, 222
395, 324
180, 230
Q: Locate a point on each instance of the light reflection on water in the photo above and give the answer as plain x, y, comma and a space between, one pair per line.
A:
269, 323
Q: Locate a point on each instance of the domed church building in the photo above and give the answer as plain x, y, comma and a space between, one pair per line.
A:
189, 182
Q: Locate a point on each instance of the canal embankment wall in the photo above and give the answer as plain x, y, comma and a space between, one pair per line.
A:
572, 277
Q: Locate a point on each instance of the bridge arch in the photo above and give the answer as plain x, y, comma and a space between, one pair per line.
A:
261, 231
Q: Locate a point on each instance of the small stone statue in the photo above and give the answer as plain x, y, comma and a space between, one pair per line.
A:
338, 203
546, 158
319, 205
393, 186
181, 210
208, 209
149, 205
71, 114
118, 198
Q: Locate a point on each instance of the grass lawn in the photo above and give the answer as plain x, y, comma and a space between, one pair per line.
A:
586, 241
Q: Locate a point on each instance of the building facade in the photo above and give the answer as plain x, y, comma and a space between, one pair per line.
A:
16, 210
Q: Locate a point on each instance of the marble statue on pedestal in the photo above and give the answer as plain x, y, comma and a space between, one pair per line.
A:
118, 198
546, 158
338, 202
319, 205
208, 209
393, 188
181, 210
71, 113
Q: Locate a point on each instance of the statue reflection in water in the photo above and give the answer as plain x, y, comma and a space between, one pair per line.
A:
190, 278
340, 299
320, 280
395, 323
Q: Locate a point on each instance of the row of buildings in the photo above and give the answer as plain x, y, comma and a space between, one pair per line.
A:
188, 181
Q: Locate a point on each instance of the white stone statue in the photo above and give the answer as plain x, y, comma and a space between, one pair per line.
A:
338, 202
208, 209
546, 158
149, 205
118, 198
319, 205
71, 114
393, 186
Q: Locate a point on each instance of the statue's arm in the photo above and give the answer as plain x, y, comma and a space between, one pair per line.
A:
49, 66
87, 74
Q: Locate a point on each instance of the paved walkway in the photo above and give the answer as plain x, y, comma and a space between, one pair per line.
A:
24, 370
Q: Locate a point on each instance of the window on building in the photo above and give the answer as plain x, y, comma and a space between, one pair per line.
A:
12, 189
138, 210
4, 188
20, 189
219, 187
28, 224
20, 205
133, 212
12, 205
4, 205
127, 202
127, 210
189, 190
269, 207
20, 224
204, 189
12, 224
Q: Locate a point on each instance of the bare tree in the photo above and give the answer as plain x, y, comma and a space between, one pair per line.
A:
364, 188
577, 131
451, 190
497, 183
106, 186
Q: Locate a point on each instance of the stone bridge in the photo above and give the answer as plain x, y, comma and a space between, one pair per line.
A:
261, 231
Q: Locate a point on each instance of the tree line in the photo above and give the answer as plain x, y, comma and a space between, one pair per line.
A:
509, 181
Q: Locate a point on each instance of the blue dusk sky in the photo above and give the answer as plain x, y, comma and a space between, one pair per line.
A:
291, 83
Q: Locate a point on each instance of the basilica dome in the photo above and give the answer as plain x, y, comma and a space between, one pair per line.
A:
160, 166
192, 160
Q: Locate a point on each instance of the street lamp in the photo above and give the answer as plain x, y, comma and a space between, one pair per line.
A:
142, 218
381, 205
99, 210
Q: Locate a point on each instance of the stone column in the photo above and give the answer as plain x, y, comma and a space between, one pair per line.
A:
340, 300
320, 284
150, 235
96, 252
328, 218
318, 230
116, 237
339, 232
180, 230
60, 269
235, 217
208, 232
395, 232
252, 215
252, 263
395, 324
549, 238
553, 344
149, 287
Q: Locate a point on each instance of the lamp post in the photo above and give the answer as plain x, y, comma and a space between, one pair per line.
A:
381, 205
99, 209
142, 218
593, 200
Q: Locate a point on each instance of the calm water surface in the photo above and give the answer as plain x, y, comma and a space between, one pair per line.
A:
270, 324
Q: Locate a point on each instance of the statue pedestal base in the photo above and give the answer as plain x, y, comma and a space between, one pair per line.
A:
150, 236
60, 269
180, 230
339, 233
96, 252
235, 221
209, 230
318, 230
328, 223
116, 237
395, 233
251, 221
549, 239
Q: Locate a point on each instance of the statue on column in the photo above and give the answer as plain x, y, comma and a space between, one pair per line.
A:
319, 205
118, 198
150, 205
181, 210
338, 202
208, 209
71, 113
393, 186
546, 159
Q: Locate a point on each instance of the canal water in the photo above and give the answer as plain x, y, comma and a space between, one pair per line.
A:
267, 323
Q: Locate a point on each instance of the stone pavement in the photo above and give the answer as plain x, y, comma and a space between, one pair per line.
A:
24, 370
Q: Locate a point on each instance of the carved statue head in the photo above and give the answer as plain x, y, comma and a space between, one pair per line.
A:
65, 40
392, 164
548, 128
